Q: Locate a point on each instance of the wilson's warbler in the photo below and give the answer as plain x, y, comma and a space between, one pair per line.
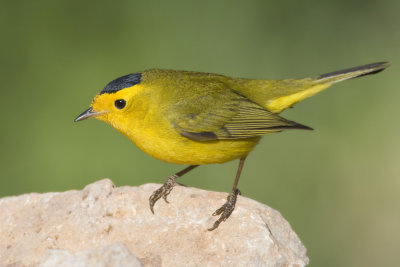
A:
198, 118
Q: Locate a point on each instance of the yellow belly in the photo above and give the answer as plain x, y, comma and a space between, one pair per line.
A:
196, 153
174, 148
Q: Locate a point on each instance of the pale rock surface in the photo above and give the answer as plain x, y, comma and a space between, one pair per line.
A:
107, 226
117, 255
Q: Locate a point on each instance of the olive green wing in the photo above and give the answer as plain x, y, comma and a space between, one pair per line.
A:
227, 115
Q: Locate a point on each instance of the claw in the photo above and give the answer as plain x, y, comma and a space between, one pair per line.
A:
154, 197
163, 192
219, 211
226, 209
165, 198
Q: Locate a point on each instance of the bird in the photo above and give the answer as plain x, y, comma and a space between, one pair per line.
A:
196, 118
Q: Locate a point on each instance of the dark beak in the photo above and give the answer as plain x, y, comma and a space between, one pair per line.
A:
89, 113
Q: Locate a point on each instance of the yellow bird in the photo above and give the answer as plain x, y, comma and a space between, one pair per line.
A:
196, 118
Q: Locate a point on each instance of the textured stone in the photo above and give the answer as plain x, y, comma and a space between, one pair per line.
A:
116, 255
32, 226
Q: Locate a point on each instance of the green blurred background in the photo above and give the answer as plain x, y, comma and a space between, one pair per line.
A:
338, 186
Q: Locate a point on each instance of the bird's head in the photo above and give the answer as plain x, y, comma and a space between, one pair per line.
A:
114, 102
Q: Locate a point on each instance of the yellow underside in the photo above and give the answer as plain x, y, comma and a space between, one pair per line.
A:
156, 136
181, 150
279, 104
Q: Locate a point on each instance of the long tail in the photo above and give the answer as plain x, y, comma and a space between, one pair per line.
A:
341, 75
304, 88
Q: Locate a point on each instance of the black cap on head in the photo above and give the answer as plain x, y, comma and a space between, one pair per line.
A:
122, 82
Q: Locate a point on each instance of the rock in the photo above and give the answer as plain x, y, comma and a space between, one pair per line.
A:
109, 224
116, 255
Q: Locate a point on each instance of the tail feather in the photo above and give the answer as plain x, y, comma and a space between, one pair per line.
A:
311, 86
337, 76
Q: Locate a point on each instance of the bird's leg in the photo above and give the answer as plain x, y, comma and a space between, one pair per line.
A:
166, 188
229, 205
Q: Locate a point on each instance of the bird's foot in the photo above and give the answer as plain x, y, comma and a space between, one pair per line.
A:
225, 209
163, 191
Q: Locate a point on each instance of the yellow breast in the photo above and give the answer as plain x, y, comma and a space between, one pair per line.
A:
158, 138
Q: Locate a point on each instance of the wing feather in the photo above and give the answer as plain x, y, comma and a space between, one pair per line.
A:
232, 117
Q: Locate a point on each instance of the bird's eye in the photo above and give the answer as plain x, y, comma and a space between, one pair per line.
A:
120, 103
